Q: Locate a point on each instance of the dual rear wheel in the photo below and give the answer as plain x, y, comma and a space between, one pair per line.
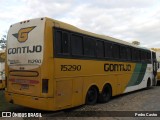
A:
93, 95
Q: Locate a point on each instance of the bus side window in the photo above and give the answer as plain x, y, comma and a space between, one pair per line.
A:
99, 49
116, 51
58, 41
123, 52
89, 47
62, 42
129, 53
145, 53
133, 54
108, 50
76, 44
65, 43
142, 56
148, 56
138, 55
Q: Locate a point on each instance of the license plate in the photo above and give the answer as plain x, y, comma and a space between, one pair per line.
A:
24, 86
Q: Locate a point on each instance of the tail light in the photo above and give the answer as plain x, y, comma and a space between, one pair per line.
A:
44, 85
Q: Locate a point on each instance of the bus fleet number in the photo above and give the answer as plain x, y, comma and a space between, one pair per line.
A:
70, 67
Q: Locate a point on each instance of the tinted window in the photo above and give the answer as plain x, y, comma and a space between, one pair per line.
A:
58, 41
76, 45
123, 53
153, 55
129, 53
89, 47
115, 51
65, 42
108, 50
139, 55
133, 54
69, 43
62, 43
148, 56
136, 54
100, 49
143, 55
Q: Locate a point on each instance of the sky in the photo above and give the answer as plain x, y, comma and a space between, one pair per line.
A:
128, 20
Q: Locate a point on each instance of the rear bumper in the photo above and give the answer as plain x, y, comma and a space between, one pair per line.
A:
30, 101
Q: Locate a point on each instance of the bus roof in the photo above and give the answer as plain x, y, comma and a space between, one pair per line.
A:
69, 27
73, 28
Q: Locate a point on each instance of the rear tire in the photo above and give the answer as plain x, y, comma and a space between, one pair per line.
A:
106, 94
92, 95
148, 83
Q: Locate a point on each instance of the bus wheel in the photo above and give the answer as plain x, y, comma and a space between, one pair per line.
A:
92, 95
148, 83
105, 95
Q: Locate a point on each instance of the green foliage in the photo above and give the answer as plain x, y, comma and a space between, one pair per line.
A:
3, 41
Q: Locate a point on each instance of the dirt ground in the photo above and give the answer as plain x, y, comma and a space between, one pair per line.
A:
121, 107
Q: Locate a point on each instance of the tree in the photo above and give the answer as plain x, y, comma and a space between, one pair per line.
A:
156, 49
3, 41
136, 42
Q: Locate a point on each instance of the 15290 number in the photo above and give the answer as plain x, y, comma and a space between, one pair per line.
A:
70, 67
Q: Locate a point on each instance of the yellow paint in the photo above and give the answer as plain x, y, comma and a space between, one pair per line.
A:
158, 76
2, 84
66, 88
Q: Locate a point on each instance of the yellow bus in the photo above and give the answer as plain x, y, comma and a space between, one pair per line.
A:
157, 50
2, 71
158, 66
52, 65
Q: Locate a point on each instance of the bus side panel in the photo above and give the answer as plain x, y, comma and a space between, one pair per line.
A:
98, 73
63, 93
77, 91
68, 92
139, 78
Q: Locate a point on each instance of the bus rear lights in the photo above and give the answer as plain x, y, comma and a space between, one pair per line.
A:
44, 85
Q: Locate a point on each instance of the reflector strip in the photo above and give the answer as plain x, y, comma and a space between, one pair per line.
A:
22, 81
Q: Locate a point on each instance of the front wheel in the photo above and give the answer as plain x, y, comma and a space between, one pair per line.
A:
92, 95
